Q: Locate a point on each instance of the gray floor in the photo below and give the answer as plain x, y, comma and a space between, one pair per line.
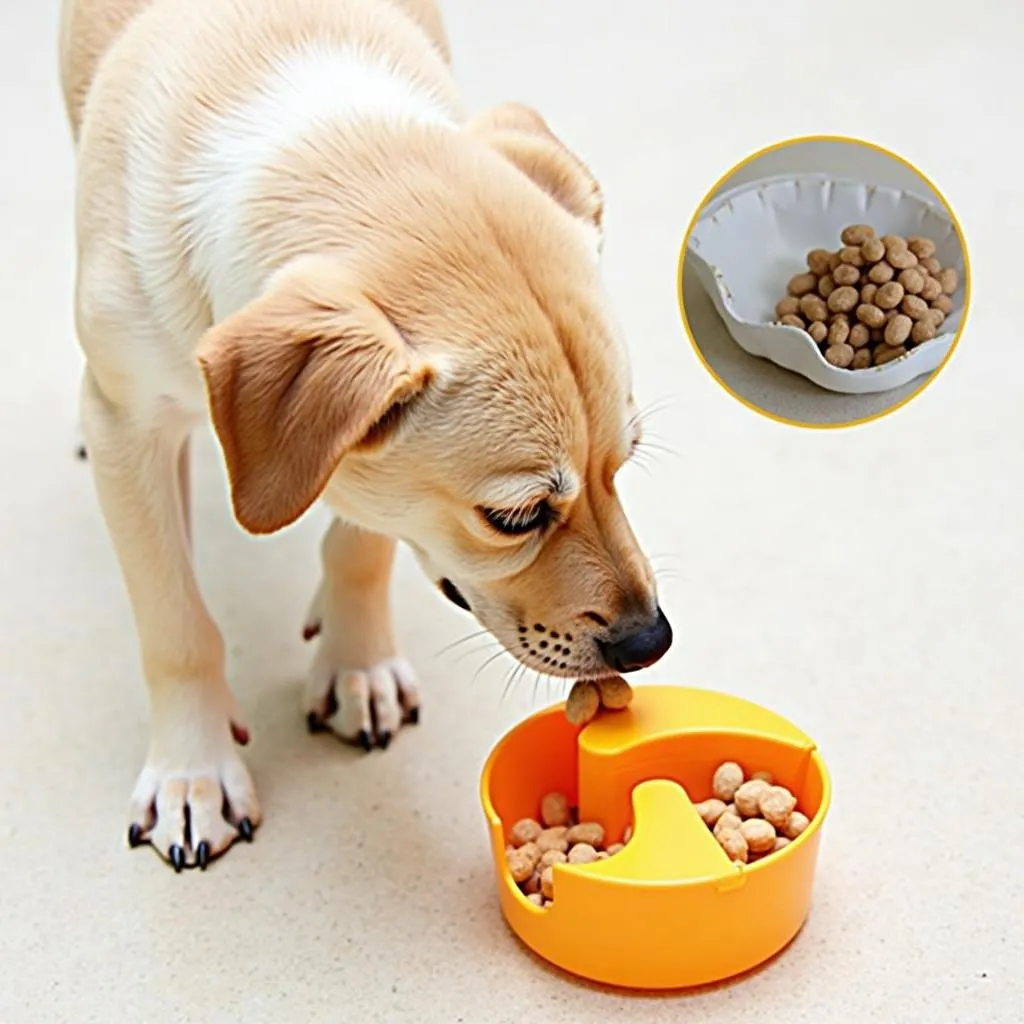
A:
866, 583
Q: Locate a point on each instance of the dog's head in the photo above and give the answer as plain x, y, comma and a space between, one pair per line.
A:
458, 383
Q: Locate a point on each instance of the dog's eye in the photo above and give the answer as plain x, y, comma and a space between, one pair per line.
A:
519, 520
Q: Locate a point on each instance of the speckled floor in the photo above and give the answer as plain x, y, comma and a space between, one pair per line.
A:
866, 583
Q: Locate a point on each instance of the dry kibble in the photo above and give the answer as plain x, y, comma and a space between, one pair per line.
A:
582, 853
802, 284
764, 776
732, 841
532, 884
748, 795
859, 336
583, 702
861, 304
796, 825
520, 864
547, 883
838, 333
812, 307
948, 280
861, 359
553, 839
873, 250
923, 330
856, 234
776, 806
900, 258
616, 693
586, 832
523, 831
554, 810
931, 289
880, 273
870, 315
921, 247
728, 822
615, 848
818, 261
759, 834
889, 296
727, 779
781, 842
843, 299
840, 356
536, 898
710, 811
912, 280
550, 857
788, 306
602, 855
846, 274
850, 254
914, 306
886, 354
897, 330
627, 834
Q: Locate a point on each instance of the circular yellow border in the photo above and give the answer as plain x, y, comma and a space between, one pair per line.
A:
745, 163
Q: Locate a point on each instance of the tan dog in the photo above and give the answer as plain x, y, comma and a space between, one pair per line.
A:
286, 224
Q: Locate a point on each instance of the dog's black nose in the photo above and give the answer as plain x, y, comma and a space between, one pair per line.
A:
640, 647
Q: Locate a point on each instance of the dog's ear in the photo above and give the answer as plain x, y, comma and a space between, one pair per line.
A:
520, 134
309, 371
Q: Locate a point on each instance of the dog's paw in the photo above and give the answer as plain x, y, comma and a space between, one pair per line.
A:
364, 705
192, 808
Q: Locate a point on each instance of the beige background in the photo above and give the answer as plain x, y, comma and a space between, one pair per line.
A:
765, 385
867, 583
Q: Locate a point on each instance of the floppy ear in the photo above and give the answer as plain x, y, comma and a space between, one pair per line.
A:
304, 374
520, 134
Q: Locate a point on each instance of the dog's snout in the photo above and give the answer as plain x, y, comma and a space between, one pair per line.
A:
638, 648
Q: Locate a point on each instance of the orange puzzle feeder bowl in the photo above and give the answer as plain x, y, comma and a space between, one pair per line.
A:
670, 910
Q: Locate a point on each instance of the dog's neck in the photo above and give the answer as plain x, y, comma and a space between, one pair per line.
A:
310, 90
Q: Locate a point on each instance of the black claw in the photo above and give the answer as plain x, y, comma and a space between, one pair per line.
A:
203, 855
135, 835
245, 829
177, 857
414, 715
314, 724
363, 739
384, 739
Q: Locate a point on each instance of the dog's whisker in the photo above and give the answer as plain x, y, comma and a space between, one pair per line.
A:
461, 641
494, 657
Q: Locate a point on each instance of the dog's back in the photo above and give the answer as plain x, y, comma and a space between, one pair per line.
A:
88, 29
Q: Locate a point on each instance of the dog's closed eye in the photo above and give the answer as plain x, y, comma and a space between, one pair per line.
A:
515, 521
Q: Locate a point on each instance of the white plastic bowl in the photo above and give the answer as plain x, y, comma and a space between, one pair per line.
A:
751, 240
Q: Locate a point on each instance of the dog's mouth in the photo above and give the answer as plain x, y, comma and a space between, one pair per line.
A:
453, 594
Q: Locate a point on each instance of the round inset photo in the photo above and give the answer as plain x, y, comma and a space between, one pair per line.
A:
824, 281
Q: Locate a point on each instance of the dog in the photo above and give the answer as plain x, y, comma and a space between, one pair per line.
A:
288, 226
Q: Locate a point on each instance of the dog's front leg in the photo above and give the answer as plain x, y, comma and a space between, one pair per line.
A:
194, 796
359, 688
